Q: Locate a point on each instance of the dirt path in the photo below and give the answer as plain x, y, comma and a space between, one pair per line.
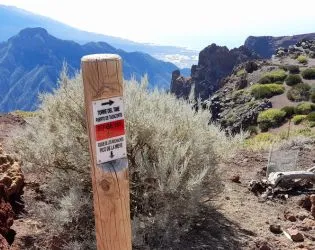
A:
241, 206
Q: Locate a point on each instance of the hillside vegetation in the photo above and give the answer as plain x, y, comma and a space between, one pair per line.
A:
168, 142
268, 95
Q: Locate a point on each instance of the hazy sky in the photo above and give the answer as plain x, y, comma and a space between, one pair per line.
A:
192, 24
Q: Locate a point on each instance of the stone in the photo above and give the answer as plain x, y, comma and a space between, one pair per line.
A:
264, 246
305, 202
295, 235
312, 199
289, 216
235, 178
275, 228
4, 245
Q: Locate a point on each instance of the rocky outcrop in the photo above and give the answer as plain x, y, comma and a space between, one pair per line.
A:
180, 86
11, 187
236, 110
266, 46
215, 63
10, 175
306, 47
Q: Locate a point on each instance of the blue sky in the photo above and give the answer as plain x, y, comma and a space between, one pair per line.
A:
193, 24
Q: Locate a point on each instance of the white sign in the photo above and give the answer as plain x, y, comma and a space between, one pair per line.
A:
109, 122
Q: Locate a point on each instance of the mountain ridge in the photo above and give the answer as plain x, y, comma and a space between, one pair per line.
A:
266, 46
30, 63
25, 19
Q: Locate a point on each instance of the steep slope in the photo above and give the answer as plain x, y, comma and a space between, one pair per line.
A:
215, 63
30, 63
266, 46
285, 83
13, 19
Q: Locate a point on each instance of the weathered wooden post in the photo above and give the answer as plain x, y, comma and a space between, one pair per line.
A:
103, 92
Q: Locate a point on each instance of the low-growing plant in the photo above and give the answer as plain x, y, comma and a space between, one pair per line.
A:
172, 153
309, 73
297, 119
299, 92
273, 76
304, 108
266, 90
270, 118
313, 95
241, 72
311, 117
293, 79
302, 59
289, 111
293, 69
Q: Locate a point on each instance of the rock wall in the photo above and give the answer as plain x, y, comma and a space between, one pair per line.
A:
215, 63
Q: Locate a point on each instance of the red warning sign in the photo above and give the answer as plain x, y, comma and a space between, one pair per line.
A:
109, 130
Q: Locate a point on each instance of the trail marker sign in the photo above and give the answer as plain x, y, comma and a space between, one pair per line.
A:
109, 122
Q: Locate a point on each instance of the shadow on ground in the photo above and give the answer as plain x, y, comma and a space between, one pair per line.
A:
211, 230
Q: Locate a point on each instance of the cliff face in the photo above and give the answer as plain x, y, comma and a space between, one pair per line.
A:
215, 63
266, 46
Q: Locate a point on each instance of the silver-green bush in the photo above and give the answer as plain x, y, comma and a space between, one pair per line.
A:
172, 152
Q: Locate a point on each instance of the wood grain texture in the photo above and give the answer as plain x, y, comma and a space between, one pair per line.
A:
102, 78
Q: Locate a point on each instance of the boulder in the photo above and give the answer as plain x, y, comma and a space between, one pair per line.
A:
275, 228
3, 243
11, 175
295, 235
6, 212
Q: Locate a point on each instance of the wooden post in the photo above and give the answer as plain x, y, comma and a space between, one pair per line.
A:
103, 84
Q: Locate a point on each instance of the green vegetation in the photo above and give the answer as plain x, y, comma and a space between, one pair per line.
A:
293, 69
313, 95
309, 73
299, 92
175, 158
302, 59
293, 79
241, 72
270, 118
311, 117
24, 114
273, 76
297, 119
289, 111
266, 90
304, 108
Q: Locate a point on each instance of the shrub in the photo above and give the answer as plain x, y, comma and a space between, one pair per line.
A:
309, 73
311, 117
270, 118
266, 90
313, 95
241, 72
299, 92
289, 111
168, 142
302, 59
305, 108
297, 119
293, 79
273, 76
293, 69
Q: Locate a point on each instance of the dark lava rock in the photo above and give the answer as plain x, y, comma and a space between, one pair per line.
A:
215, 63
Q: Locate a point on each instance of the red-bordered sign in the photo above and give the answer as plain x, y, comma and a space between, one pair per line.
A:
108, 115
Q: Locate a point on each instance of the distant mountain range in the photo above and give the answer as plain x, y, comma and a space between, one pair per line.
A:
266, 46
30, 63
13, 19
